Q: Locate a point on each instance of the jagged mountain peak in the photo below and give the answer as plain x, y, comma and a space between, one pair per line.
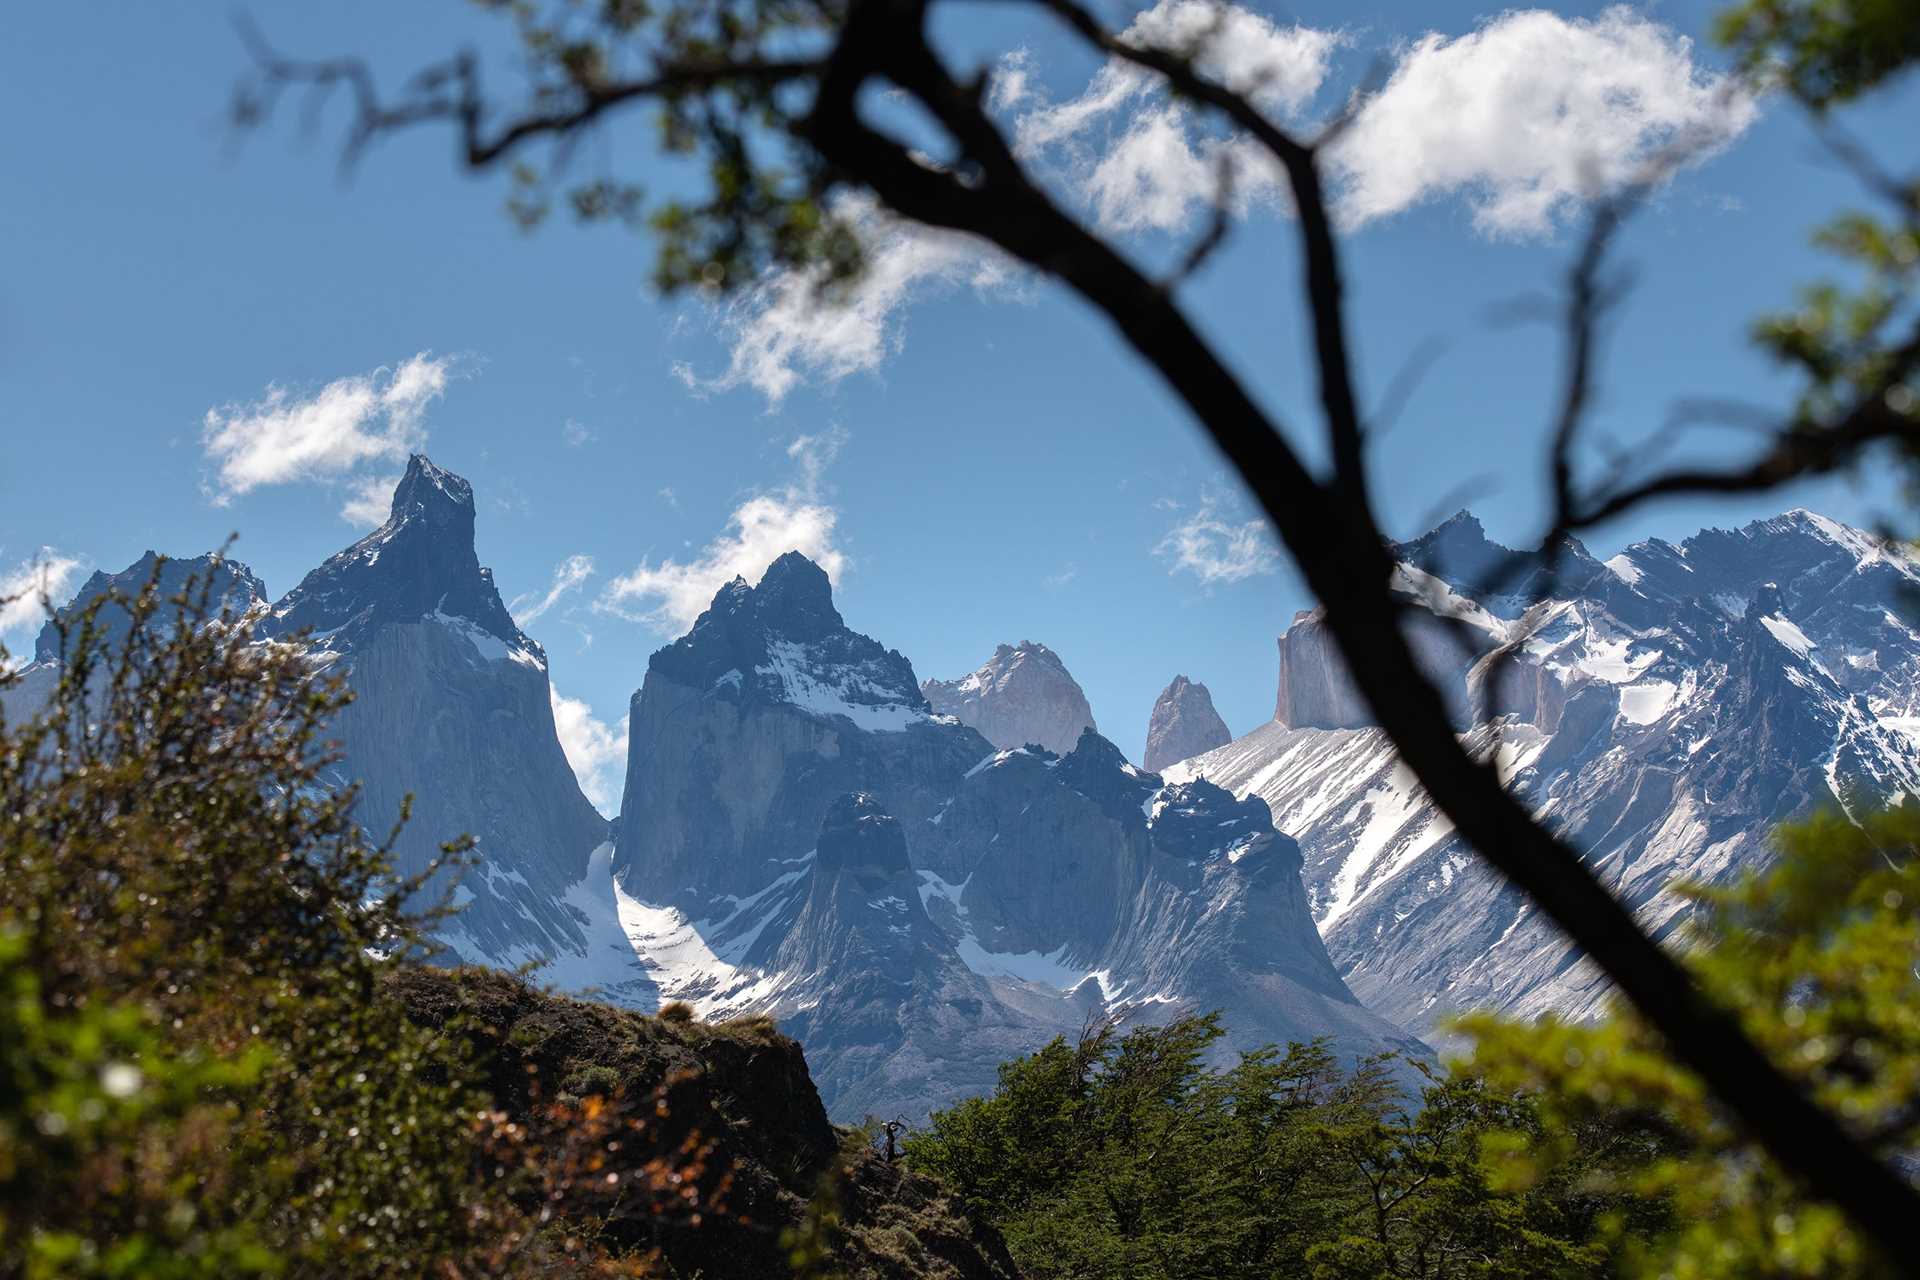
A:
783, 641
1197, 818
1022, 694
1099, 771
420, 564
795, 599
234, 587
1459, 552
426, 490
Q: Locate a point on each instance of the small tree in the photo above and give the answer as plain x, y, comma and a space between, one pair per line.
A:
202, 1068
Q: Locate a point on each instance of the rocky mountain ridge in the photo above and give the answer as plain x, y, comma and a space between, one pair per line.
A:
1663, 710
802, 835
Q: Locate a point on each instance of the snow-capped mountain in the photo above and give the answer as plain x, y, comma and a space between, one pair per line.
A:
1022, 694
451, 706
228, 585
1664, 710
802, 835
1183, 725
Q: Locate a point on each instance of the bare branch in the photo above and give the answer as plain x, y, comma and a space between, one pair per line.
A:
451, 92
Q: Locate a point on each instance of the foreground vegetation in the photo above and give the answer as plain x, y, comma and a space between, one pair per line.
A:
1554, 1149
220, 1055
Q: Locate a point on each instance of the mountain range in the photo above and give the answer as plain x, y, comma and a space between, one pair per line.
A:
919, 880
1663, 710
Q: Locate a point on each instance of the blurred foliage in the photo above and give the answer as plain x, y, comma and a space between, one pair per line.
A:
1853, 339
762, 197
1824, 52
1820, 954
202, 1071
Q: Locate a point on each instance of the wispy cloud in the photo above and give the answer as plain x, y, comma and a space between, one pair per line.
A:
25, 589
786, 330
567, 577
329, 435
1142, 162
596, 750
576, 433
1214, 546
1523, 119
369, 500
796, 516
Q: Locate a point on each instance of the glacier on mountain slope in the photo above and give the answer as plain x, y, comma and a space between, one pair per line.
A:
1663, 710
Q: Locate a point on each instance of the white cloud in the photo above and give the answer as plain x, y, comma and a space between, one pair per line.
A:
1280, 68
668, 596
1215, 548
785, 329
1523, 119
369, 500
567, 576
327, 436
597, 751
1531, 115
1140, 161
23, 588
576, 433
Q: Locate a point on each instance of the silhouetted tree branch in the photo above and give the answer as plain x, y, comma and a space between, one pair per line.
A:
1327, 523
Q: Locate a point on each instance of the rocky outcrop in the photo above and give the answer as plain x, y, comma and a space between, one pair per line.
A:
451, 707
1022, 694
1664, 710
1183, 725
742, 1090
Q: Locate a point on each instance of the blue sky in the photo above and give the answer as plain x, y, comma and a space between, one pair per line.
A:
974, 450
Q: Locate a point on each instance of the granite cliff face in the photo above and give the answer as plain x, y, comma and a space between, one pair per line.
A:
451, 706
1022, 694
804, 836
1183, 725
1664, 710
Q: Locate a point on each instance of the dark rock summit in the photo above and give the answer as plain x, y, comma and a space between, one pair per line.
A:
1183, 725
1022, 694
741, 1087
420, 564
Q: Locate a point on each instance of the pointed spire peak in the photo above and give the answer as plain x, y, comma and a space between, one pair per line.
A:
426, 487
